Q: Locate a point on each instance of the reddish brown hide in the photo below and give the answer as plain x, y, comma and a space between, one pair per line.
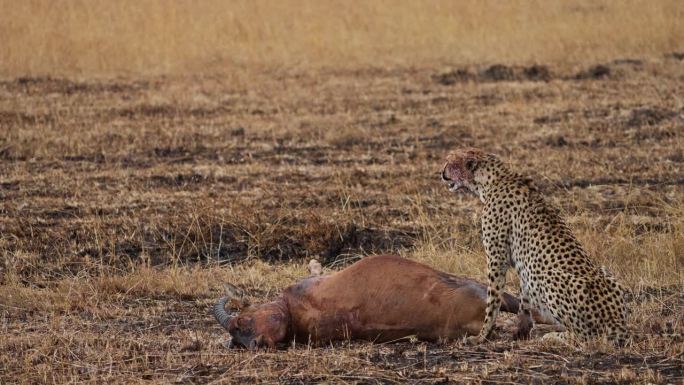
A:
379, 298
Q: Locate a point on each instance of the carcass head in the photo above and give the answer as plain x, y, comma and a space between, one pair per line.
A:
253, 326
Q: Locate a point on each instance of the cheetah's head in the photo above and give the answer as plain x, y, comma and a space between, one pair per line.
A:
468, 170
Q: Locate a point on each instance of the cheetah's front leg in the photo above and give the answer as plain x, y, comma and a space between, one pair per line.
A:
497, 280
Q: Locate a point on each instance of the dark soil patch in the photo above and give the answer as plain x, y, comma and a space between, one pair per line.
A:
91, 158
168, 111
283, 239
677, 156
456, 76
146, 110
358, 240
556, 141
652, 292
549, 119
537, 72
185, 154
653, 134
498, 73
627, 61
9, 186
10, 118
649, 116
495, 73
675, 55
175, 181
40, 85
596, 115
582, 183
596, 72
64, 212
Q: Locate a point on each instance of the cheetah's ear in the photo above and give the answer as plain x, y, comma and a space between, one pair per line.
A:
471, 165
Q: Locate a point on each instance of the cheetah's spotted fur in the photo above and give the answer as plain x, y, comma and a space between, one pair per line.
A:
521, 230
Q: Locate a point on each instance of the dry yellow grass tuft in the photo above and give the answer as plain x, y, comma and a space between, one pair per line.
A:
102, 37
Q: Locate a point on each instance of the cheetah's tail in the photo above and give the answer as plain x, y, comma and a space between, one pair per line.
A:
619, 337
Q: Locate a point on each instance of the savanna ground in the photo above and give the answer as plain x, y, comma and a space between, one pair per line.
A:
127, 200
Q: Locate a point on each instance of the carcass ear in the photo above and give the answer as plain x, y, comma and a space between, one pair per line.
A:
238, 304
238, 299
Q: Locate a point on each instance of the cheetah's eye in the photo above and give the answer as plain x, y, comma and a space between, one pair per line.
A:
471, 165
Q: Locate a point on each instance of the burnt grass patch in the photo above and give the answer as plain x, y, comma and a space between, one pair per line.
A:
352, 239
167, 111
651, 116
207, 239
48, 84
494, 73
11, 118
596, 72
126, 211
175, 181
675, 55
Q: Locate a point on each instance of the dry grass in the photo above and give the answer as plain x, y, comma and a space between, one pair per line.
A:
126, 203
102, 37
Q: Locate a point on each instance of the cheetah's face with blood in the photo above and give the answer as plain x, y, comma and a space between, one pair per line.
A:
460, 168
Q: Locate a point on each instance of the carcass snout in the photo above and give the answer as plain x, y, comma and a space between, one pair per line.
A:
245, 338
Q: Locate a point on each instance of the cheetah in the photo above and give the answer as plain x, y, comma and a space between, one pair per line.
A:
520, 229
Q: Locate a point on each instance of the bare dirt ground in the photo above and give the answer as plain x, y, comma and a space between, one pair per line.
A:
126, 203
